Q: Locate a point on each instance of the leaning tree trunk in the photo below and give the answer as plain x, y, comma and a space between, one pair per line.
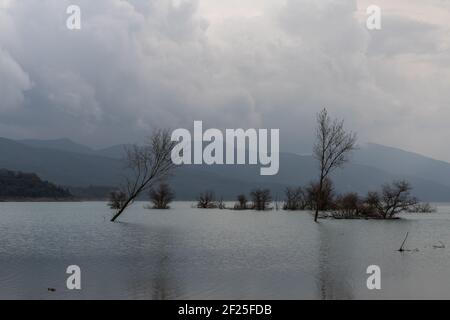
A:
119, 212
319, 201
126, 204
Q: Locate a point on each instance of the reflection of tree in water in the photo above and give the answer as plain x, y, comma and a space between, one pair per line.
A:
150, 266
161, 277
335, 257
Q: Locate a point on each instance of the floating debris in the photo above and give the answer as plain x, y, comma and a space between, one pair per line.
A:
440, 246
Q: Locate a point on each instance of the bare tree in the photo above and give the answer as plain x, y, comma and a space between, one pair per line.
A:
295, 199
206, 200
425, 207
348, 205
162, 196
322, 200
261, 199
148, 164
117, 199
221, 204
395, 198
332, 148
241, 202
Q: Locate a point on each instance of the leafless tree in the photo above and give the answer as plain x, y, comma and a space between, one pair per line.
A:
148, 165
320, 199
348, 205
295, 199
332, 148
394, 198
206, 200
261, 199
241, 202
117, 199
162, 196
425, 207
221, 204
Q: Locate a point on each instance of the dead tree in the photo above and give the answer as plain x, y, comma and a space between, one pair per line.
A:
261, 199
348, 205
295, 199
148, 165
241, 202
394, 198
403, 243
206, 200
332, 148
321, 200
162, 196
117, 199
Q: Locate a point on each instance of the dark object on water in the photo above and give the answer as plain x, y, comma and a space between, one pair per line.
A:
403, 243
51, 289
440, 246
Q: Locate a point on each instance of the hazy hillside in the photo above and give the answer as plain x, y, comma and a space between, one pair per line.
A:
116, 152
298, 170
60, 167
401, 162
58, 144
59, 163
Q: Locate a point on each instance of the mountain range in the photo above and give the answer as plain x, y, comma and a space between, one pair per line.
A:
77, 166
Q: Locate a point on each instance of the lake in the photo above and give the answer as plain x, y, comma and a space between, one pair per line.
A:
188, 253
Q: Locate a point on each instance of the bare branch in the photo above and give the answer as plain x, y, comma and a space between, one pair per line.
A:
332, 148
148, 165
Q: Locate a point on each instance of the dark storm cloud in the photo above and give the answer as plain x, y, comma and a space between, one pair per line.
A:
139, 64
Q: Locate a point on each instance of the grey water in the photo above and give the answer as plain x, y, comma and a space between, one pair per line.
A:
188, 253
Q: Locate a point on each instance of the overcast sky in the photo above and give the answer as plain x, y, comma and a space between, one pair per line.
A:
138, 64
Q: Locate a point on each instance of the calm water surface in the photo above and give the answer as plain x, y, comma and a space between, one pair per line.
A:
186, 253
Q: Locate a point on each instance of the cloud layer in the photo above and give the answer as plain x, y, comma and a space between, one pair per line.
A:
139, 64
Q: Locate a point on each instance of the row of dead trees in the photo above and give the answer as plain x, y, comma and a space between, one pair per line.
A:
387, 203
150, 164
160, 197
392, 199
260, 199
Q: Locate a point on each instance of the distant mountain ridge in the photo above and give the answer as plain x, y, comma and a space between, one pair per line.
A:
63, 144
59, 166
402, 162
66, 163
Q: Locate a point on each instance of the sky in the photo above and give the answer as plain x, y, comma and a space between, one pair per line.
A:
140, 64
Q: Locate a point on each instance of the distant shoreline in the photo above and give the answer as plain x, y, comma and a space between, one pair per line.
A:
45, 200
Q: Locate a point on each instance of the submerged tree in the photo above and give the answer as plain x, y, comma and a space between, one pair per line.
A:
241, 202
320, 198
206, 200
394, 198
332, 148
117, 199
162, 196
148, 165
221, 204
348, 205
261, 199
424, 207
295, 199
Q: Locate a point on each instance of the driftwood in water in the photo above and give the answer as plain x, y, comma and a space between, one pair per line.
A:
403, 243
440, 246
